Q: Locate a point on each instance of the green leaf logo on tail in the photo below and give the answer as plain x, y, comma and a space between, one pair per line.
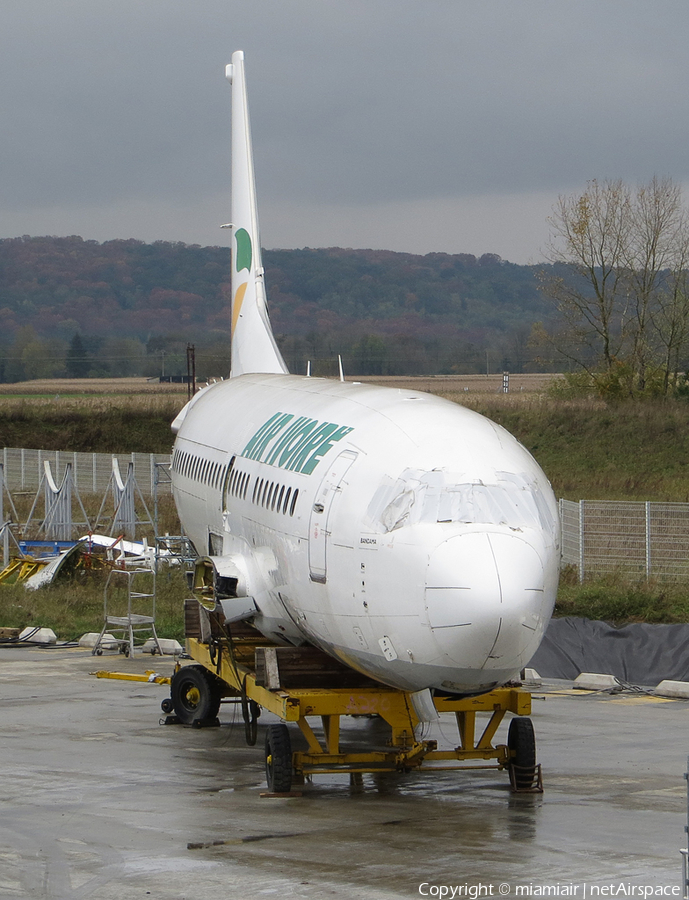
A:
243, 249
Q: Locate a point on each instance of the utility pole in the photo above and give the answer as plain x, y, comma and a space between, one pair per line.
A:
191, 371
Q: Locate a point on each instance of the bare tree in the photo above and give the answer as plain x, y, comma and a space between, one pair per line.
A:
619, 279
589, 236
670, 317
653, 253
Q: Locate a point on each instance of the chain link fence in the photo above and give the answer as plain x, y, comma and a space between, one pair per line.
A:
91, 472
642, 538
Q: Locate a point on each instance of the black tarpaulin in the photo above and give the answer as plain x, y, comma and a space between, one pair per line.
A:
637, 653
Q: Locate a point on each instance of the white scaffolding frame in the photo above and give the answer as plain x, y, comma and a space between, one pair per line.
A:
58, 523
124, 493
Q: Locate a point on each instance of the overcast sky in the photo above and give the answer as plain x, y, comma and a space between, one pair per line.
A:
415, 125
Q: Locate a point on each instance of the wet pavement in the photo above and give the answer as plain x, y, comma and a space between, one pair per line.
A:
99, 800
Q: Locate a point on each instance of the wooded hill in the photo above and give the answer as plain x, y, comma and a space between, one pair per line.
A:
385, 312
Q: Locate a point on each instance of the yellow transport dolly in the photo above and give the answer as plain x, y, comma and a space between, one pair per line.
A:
299, 684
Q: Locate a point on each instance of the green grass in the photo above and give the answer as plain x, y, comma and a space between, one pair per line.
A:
632, 451
100, 424
76, 607
619, 599
635, 451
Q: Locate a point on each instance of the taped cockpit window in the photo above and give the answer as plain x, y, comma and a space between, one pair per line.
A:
442, 497
397, 512
396, 504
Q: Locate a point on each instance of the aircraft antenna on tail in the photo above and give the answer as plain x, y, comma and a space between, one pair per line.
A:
253, 344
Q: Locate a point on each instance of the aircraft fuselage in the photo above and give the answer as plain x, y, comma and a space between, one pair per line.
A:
410, 537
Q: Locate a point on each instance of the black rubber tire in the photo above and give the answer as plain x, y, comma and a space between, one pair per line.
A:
278, 759
195, 694
521, 742
167, 705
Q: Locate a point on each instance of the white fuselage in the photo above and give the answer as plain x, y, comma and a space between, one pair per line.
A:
413, 539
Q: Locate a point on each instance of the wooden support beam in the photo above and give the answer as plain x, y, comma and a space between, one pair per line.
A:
302, 668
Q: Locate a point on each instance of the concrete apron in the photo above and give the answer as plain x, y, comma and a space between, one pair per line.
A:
99, 801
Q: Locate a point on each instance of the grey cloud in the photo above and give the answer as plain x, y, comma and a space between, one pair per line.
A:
352, 103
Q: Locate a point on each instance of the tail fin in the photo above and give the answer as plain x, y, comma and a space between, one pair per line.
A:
253, 344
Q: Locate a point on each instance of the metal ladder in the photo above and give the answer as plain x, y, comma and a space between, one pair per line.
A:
136, 620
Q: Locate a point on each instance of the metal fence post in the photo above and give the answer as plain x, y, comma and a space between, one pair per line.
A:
648, 540
5, 535
581, 541
685, 851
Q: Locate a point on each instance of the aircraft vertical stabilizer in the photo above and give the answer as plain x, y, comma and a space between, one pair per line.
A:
253, 344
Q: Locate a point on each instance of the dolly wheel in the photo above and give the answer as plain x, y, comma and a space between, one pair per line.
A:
278, 759
521, 742
195, 694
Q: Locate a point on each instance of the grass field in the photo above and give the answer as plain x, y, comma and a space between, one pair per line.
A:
80, 387
76, 608
104, 423
634, 451
490, 384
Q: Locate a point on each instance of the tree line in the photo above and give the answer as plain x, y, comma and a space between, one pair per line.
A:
133, 307
610, 305
94, 356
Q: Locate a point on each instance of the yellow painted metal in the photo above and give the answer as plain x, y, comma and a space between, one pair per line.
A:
331, 728
286, 706
395, 707
20, 569
312, 740
490, 729
511, 699
193, 696
151, 677
466, 722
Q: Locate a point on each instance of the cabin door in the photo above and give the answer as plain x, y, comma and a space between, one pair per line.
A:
329, 488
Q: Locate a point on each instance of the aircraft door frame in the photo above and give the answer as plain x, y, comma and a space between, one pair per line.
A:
328, 489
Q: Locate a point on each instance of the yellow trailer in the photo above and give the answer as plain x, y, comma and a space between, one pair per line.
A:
303, 684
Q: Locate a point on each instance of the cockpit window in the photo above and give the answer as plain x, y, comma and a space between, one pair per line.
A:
510, 499
487, 504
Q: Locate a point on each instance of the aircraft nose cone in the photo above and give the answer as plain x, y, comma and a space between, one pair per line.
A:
485, 600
